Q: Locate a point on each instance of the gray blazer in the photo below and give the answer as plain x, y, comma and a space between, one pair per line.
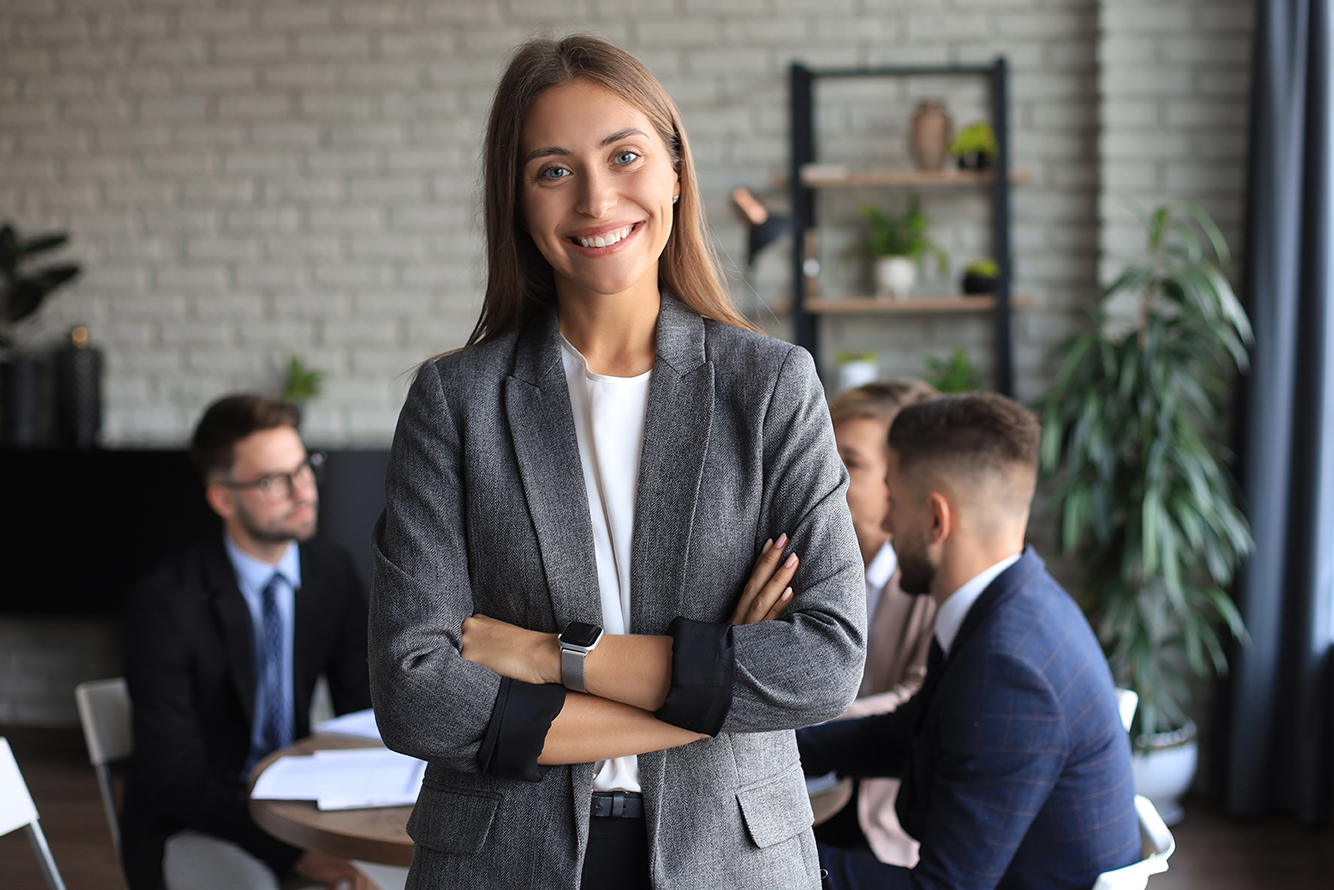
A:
486, 512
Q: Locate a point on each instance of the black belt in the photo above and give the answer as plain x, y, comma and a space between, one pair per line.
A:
618, 804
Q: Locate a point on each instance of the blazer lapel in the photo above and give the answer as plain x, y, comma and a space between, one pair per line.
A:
671, 465
306, 615
546, 448
234, 618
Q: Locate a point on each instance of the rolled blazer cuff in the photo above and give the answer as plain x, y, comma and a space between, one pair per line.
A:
518, 729
703, 668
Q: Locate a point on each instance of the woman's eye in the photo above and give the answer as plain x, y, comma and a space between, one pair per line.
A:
553, 173
626, 157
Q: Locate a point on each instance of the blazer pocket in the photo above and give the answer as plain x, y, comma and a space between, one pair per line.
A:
453, 821
777, 808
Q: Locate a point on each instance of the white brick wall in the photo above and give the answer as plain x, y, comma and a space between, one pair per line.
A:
1174, 94
245, 179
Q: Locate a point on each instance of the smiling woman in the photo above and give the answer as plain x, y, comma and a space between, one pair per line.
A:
587, 521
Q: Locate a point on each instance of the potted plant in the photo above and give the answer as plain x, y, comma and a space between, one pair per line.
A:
953, 374
974, 146
856, 369
979, 277
1132, 435
897, 243
23, 289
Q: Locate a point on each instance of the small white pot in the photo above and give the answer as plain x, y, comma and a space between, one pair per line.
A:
1166, 770
855, 373
894, 276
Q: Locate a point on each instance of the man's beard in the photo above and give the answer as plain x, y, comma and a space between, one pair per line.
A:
915, 569
280, 531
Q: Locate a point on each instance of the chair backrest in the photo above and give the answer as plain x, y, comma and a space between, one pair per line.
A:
16, 806
18, 811
104, 711
1157, 844
1127, 701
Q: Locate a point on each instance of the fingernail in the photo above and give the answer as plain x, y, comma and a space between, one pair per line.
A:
787, 594
781, 542
790, 561
767, 544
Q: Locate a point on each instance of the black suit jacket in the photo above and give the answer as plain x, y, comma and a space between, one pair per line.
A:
1015, 764
191, 677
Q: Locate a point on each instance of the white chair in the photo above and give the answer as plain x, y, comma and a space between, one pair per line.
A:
1127, 701
1158, 845
104, 711
1156, 841
18, 811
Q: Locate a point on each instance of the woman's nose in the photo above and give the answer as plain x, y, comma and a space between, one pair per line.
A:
598, 196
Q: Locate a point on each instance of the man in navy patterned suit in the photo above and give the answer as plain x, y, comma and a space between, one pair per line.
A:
1015, 766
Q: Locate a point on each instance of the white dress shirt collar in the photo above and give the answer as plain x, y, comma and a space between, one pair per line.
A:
882, 566
952, 612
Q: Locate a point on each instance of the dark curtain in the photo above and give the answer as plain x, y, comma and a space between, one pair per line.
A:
1277, 727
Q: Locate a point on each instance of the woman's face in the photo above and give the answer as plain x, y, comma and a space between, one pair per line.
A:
596, 193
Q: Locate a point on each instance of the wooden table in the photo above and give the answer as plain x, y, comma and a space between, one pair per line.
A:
375, 835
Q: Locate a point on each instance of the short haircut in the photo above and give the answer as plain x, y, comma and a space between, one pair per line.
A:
880, 399
978, 434
228, 421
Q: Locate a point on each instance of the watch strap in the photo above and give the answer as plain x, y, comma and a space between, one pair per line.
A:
572, 669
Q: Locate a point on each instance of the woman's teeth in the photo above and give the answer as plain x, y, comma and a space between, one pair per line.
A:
606, 240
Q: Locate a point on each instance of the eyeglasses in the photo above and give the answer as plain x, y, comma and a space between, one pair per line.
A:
280, 487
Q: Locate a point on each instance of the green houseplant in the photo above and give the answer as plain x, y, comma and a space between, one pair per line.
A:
1132, 437
975, 146
897, 243
953, 374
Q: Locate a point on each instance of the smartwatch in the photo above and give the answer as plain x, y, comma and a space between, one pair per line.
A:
578, 639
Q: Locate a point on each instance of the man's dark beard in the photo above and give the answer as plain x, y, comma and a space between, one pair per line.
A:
915, 571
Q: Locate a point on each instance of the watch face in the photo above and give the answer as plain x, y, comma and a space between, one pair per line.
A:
577, 633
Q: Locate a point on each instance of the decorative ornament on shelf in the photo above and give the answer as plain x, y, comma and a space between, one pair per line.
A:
898, 243
79, 390
975, 146
930, 135
1133, 437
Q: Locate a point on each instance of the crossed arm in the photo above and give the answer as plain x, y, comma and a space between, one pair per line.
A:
628, 675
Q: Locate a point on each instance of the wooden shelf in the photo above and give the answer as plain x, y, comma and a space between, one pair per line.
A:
887, 306
830, 177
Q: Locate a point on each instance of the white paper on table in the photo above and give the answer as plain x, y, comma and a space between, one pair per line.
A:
359, 724
342, 779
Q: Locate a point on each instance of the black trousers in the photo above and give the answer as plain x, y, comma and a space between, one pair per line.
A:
617, 855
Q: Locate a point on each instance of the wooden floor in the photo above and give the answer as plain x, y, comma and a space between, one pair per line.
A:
1214, 852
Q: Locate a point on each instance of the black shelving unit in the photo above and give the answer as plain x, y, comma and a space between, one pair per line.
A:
805, 322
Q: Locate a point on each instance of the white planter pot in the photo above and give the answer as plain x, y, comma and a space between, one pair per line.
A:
1166, 770
894, 276
855, 373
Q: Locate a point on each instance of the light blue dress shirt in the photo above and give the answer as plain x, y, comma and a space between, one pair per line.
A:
252, 576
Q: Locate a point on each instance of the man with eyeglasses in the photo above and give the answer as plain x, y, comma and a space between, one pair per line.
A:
224, 644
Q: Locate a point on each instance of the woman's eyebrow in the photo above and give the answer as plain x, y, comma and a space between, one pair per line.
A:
551, 150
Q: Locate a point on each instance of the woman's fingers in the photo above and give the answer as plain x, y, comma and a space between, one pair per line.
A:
767, 593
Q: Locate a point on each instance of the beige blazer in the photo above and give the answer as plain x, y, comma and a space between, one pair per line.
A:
897, 645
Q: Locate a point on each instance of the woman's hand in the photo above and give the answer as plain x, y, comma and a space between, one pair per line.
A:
510, 650
767, 592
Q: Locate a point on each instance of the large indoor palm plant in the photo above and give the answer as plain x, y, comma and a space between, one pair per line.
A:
1132, 436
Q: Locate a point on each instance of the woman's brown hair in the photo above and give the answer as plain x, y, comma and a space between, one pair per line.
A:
519, 279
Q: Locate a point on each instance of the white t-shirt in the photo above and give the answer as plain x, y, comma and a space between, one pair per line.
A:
609, 422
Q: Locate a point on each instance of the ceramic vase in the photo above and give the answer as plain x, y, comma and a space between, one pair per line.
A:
1164, 772
930, 136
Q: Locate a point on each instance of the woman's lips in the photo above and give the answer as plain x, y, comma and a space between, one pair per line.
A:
605, 240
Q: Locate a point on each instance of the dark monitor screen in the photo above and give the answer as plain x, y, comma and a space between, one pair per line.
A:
81, 527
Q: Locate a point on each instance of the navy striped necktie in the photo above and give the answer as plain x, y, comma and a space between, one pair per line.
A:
277, 717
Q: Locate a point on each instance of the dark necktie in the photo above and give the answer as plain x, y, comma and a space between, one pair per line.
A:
277, 717
935, 656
